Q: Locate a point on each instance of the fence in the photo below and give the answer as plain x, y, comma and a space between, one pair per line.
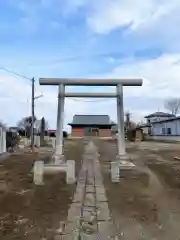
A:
2, 140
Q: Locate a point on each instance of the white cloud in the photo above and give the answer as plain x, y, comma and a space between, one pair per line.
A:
161, 76
108, 15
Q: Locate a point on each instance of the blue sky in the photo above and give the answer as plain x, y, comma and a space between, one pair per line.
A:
88, 38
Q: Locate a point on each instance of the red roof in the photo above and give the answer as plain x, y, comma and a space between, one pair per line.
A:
51, 131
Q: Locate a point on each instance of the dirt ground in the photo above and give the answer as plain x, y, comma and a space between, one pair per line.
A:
144, 205
34, 212
146, 202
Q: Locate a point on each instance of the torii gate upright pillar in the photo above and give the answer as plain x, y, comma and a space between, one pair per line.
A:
58, 155
120, 122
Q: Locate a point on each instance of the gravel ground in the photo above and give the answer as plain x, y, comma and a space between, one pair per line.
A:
34, 212
146, 202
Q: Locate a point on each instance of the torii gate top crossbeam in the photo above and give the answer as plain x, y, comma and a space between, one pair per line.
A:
91, 82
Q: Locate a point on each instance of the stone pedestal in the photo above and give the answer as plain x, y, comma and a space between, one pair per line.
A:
115, 172
121, 163
58, 159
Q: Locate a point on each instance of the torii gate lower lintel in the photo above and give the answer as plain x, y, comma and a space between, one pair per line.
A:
119, 83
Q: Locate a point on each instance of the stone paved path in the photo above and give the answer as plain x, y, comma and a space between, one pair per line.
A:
88, 216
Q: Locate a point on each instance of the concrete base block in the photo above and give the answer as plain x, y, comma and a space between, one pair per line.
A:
122, 157
124, 161
70, 174
40, 169
126, 164
38, 173
58, 159
115, 172
119, 165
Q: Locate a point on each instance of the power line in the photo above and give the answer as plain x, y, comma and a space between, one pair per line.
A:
15, 73
32, 101
99, 100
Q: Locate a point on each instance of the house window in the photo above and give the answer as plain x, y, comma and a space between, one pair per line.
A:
168, 131
163, 131
149, 130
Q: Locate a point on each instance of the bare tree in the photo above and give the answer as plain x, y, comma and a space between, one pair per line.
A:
129, 124
173, 105
26, 124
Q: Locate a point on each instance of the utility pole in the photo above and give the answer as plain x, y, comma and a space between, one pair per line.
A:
32, 125
33, 98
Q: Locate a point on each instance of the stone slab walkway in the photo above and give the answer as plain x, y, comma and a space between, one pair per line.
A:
89, 216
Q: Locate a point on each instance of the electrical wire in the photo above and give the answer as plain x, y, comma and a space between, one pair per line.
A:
73, 99
99, 100
15, 73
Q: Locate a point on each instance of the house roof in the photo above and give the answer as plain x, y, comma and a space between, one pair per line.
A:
160, 114
51, 131
91, 120
167, 120
146, 125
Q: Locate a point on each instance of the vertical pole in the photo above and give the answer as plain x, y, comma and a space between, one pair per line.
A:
4, 141
120, 120
60, 117
1, 140
32, 124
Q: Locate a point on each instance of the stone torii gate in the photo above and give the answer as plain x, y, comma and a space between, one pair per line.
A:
118, 83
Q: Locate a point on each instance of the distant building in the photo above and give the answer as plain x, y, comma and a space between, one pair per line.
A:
158, 116
91, 125
167, 127
50, 132
162, 126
